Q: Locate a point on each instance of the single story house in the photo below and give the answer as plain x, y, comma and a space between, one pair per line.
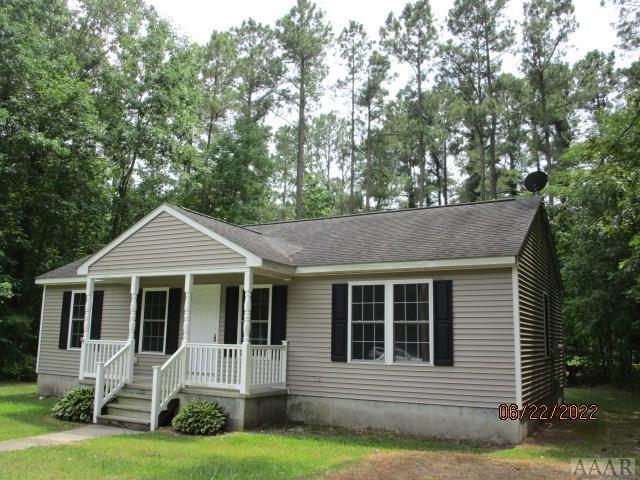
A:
422, 321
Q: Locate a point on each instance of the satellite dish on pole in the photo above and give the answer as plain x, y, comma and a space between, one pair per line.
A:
535, 181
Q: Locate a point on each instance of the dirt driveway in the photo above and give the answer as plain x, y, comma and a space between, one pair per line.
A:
448, 466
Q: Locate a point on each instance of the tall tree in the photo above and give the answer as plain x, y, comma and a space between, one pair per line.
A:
372, 98
595, 79
353, 46
304, 36
411, 39
259, 69
481, 36
513, 135
545, 30
284, 169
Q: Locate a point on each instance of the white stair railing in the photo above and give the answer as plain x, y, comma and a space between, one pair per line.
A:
111, 376
167, 381
269, 365
95, 351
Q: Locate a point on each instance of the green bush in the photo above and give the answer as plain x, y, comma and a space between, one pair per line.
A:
200, 418
75, 406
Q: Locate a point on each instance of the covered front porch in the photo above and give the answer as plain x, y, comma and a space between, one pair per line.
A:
217, 330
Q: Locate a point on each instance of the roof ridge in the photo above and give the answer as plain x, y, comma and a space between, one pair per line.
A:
216, 219
378, 212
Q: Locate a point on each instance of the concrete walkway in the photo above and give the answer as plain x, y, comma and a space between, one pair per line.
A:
75, 435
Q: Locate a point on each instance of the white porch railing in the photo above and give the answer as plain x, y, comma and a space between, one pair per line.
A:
111, 376
214, 365
96, 351
269, 365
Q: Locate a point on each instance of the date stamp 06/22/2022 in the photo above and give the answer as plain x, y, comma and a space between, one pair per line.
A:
541, 411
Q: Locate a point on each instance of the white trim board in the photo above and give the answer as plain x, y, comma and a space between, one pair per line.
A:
516, 334
252, 259
44, 296
287, 272
447, 264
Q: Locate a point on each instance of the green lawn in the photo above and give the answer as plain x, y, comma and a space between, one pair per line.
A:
295, 453
23, 415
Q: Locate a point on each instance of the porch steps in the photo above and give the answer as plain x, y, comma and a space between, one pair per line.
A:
131, 408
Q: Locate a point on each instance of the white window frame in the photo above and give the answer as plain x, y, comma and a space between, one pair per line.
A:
142, 320
73, 298
388, 321
546, 339
241, 307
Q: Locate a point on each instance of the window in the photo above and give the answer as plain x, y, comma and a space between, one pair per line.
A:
154, 319
411, 322
546, 313
390, 321
76, 321
260, 332
367, 322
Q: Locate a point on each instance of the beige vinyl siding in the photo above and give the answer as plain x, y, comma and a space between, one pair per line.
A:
115, 318
483, 374
537, 274
167, 243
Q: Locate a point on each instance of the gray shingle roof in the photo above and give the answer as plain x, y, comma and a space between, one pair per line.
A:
482, 229
261, 245
65, 271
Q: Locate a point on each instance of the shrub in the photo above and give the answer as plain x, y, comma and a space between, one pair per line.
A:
200, 418
75, 406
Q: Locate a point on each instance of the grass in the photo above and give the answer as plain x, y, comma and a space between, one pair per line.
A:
22, 414
304, 453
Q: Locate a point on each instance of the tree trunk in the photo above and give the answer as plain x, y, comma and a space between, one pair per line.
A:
422, 187
545, 128
300, 160
445, 179
367, 177
483, 167
352, 206
493, 177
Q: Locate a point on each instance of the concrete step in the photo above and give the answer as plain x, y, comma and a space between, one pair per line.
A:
136, 389
129, 411
133, 399
125, 422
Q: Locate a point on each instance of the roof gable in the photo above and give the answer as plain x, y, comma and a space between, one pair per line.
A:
166, 244
251, 258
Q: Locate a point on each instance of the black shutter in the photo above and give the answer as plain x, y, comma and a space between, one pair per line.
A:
339, 321
231, 315
138, 311
443, 322
278, 314
64, 320
173, 320
96, 315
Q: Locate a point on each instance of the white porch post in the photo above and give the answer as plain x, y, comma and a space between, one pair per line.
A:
133, 306
188, 287
245, 379
86, 333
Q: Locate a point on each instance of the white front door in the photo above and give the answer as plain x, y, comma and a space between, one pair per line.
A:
205, 312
